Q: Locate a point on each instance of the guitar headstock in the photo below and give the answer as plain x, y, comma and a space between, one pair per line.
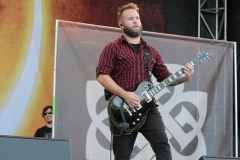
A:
202, 57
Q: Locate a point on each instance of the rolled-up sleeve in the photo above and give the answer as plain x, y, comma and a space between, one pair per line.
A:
106, 60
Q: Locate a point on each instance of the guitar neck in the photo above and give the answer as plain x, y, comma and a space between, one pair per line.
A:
167, 82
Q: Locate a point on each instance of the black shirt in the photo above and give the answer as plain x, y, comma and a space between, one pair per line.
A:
44, 132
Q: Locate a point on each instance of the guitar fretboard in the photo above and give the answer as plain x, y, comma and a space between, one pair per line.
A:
166, 82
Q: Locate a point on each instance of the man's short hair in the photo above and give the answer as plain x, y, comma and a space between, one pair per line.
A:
45, 109
125, 7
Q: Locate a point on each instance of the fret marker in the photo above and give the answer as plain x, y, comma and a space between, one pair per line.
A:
164, 83
153, 91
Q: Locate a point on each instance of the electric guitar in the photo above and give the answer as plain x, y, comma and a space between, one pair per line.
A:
136, 116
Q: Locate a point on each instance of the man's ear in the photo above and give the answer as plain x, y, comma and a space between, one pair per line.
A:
120, 24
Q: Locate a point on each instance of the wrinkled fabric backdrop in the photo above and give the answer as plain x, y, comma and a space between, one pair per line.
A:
197, 115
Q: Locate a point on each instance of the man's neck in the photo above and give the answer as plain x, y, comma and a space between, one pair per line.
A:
49, 125
132, 40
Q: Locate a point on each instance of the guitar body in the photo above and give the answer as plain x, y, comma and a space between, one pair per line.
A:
136, 116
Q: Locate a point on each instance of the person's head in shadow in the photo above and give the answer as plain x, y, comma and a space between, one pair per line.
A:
46, 130
47, 115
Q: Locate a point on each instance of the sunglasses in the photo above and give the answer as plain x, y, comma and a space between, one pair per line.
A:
45, 113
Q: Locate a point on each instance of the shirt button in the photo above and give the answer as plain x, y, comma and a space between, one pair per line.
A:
138, 66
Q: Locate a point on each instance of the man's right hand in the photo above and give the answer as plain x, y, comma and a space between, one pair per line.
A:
132, 99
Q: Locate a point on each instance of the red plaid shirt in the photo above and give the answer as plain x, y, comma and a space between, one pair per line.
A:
127, 67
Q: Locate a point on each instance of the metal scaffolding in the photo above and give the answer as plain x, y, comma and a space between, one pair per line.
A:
215, 29
212, 23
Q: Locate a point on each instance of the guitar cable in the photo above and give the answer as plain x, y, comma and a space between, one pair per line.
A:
124, 125
112, 134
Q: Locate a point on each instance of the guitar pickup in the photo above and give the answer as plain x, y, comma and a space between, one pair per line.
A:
146, 96
138, 107
133, 109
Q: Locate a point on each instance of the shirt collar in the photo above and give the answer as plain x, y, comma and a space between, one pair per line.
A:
122, 38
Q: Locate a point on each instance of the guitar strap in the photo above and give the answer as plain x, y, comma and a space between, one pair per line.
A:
148, 60
124, 125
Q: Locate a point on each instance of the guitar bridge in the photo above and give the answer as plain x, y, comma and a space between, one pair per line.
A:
146, 96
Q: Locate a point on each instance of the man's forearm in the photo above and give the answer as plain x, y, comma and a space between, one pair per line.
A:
108, 83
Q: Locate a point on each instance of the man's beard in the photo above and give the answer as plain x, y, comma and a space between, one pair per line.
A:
132, 33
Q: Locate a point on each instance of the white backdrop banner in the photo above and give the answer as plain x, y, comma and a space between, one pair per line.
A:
198, 115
